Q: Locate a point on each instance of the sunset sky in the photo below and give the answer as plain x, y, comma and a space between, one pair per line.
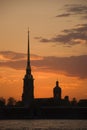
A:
58, 43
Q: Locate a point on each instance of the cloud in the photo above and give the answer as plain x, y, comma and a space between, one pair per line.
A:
64, 15
76, 35
71, 66
12, 59
77, 9
15, 60
10, 55
74, 9
75, 66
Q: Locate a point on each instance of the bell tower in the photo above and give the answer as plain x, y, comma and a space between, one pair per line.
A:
57, 91
28, 81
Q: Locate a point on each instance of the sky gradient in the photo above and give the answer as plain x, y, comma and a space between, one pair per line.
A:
58, 43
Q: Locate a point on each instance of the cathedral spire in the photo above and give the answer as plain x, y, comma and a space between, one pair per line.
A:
28, 69
28, 86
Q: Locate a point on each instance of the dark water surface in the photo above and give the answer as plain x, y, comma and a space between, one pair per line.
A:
43, 124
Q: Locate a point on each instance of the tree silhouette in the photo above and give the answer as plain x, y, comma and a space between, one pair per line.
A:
11, 102
19, 104
2, 102
74, 102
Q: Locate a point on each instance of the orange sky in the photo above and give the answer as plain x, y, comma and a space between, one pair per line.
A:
12, 72
11, 85
58, 42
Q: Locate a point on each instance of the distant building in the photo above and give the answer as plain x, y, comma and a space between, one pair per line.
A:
82, 103
66, 98
57, 91
28, 87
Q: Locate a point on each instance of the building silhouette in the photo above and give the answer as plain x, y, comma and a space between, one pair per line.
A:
57, 91
28, 82
41, 108
28, 99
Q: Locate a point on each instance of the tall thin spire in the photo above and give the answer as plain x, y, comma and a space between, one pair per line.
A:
28, 69
28, 86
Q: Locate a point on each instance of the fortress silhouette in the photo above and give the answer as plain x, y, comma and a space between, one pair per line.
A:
28, 91
28, 88
43, 108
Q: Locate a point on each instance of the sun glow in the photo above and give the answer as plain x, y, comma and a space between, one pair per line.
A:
11, 84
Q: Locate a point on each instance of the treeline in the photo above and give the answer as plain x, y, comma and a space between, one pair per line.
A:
10, 102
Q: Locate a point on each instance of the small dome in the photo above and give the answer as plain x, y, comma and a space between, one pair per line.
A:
57, 91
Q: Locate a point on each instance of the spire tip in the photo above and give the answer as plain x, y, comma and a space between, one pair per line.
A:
28, 28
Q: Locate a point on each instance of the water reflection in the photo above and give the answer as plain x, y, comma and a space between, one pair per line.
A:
43, 125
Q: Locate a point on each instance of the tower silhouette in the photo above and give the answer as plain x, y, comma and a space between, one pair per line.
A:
57, 91
28, 85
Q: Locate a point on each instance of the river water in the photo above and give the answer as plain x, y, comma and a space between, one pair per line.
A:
43, 124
